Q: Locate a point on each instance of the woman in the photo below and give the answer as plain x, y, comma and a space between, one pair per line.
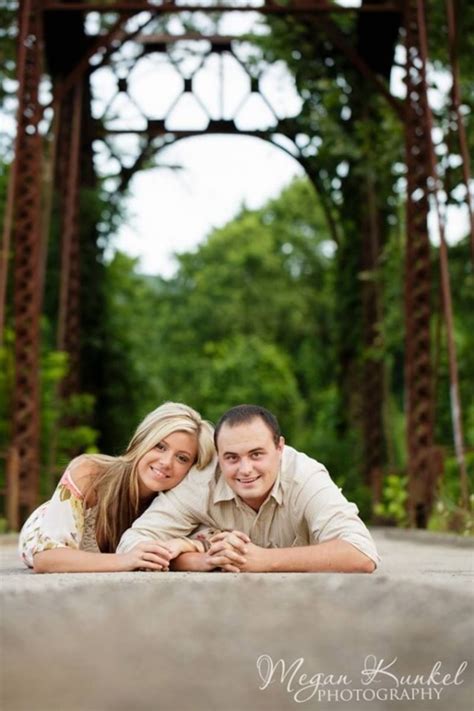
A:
99, 497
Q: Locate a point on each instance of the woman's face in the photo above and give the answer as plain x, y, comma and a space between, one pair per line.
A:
166, 465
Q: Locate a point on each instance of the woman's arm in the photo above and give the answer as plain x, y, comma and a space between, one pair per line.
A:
144, 556
192, 562
232, 542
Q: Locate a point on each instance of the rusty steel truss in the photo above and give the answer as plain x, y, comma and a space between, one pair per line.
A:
68, 109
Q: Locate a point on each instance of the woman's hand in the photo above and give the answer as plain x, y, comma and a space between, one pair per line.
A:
148, 555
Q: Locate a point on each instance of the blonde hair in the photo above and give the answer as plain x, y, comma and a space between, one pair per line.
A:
116, 485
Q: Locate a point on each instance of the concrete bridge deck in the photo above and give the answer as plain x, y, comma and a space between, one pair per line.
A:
210, 642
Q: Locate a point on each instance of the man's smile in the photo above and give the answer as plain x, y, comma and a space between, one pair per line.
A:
248, 480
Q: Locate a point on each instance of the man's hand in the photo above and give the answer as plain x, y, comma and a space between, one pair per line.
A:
227, 551
226, 547
233, 552
254, 560
230, 540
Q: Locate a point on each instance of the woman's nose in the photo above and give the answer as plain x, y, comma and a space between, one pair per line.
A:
165, 459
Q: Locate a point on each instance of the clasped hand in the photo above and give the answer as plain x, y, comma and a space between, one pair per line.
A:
234, 552
152, 555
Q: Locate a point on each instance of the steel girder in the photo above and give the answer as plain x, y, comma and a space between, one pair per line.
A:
68, 180
27, 240
418, 369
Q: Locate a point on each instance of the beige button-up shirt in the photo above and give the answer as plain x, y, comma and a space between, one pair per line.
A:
303, 507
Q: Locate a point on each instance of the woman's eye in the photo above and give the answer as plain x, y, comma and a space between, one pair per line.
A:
183, 460
160, 446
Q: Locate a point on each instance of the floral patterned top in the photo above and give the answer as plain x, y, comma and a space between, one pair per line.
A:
61, 522
65, 522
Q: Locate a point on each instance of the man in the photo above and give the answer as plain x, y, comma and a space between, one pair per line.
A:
277, 509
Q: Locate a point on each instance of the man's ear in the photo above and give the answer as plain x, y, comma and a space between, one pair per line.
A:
281, 444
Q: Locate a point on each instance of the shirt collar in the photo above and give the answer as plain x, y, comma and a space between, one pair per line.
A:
222, 491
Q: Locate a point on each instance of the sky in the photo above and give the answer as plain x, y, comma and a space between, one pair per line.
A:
174, 210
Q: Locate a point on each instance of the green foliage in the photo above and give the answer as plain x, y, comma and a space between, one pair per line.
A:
392, 508
8, 31
448, 515
462, 285
64, 424
246, 369
6, 380
249, 316
131, 377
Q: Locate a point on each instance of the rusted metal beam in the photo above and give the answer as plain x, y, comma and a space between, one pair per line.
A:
27, 262
187, 37
69, 296
105, 43
101, 42
418, 367
5, 246
373, 364
12, 508
340, 41
295, 7
157, 127
456, 109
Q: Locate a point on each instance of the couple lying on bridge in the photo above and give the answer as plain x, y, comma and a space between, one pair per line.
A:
173, 501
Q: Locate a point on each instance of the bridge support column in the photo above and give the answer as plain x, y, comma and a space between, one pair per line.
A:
27, 241
418, 368
68, 180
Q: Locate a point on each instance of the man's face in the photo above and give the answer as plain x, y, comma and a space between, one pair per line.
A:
249, 460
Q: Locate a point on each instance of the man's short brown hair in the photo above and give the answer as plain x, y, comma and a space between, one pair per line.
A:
242, 414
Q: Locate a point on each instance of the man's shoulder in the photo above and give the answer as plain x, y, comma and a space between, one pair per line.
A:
200, 477
298, 468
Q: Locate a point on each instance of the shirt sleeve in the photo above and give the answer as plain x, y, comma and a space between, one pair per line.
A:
168, 516
201, 538
328, 515
58, 523
175, 513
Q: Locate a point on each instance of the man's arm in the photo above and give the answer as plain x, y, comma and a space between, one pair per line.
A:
330, 517
168, 516
336, 556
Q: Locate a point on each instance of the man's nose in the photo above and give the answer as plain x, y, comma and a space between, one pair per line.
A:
245, 466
